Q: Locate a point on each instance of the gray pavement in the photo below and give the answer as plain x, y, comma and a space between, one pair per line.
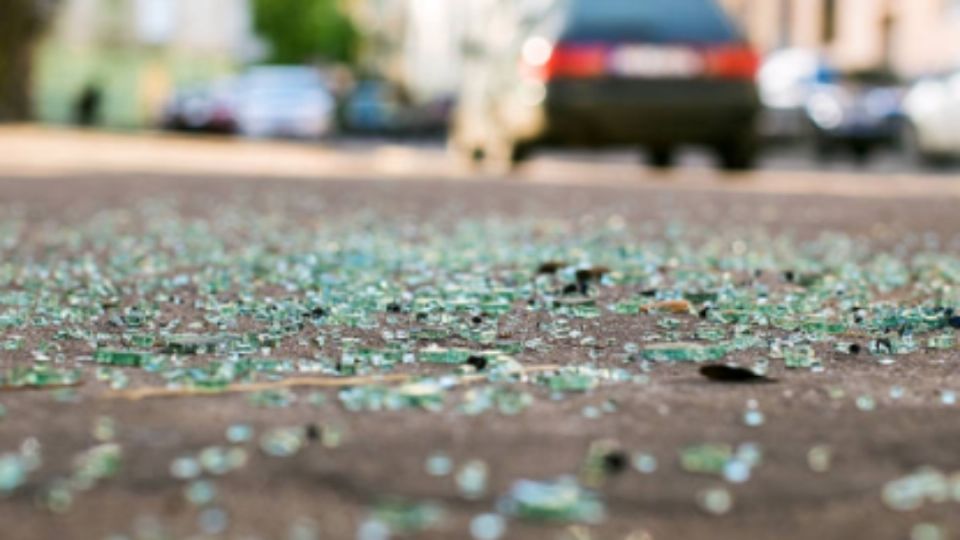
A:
181, 225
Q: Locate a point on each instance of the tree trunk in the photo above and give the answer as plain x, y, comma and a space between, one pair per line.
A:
21, 26
15, 82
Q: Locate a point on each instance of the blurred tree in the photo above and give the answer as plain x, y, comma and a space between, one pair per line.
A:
22, 22
305, 30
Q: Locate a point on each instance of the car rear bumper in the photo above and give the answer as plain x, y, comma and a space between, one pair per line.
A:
878, 131
597, 113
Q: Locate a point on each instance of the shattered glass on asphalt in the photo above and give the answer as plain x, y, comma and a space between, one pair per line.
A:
479, 318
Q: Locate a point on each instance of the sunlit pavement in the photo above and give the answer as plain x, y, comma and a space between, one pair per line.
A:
36, 152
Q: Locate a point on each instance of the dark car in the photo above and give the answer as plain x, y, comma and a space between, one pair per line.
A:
370, 108
208, 109
379, 108
596, 73
857, 112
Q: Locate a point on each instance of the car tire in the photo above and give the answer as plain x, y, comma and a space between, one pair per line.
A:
522, 152
861, 153
739, 153
660, 157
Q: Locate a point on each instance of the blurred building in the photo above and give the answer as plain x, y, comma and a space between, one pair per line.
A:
911, 37
383, 25
419, 44
416, 44
134, 52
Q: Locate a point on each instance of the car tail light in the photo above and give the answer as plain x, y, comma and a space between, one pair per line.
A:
732, 62
565, 60
578, 61
544, 61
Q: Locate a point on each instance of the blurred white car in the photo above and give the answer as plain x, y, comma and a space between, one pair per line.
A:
787, 79
284, 101
858, 111
932, 108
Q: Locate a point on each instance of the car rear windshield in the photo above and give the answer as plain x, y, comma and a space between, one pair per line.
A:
651, 21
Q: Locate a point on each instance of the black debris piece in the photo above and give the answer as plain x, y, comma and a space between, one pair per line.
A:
733, 374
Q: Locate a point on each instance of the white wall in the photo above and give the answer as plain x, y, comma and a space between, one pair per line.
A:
205, 26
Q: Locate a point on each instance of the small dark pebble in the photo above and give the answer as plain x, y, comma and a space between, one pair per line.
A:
478, 362
551, 267
592, 274
312, 432
615, 462
734, 374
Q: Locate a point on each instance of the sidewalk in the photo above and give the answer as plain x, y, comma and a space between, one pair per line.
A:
47, 151
36, 151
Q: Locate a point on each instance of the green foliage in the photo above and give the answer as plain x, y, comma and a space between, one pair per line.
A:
305, 30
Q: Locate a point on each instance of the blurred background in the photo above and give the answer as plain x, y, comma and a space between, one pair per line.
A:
497, 80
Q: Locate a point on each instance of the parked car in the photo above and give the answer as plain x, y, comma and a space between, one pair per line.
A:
656, 74
372, 107
380, 108
284, 101
787, 79
931, 131
857, 111
206, 109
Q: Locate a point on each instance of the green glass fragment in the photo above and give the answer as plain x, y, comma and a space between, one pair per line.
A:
706, 458
561, 500
684, 352
121, 358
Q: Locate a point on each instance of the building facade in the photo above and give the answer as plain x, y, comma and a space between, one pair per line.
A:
911, 37
135, 52
414, 43
419, 44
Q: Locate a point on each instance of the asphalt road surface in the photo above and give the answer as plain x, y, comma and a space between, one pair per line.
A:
130, 207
